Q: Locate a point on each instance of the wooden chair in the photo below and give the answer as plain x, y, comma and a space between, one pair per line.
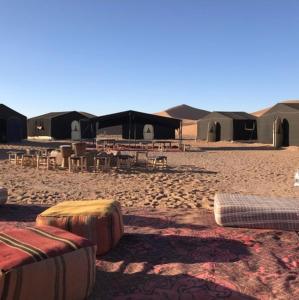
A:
28, 160
15, 157
125, 161
157, 162
102, 162
77, 163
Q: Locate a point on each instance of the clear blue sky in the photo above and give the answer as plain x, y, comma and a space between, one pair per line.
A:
107, 56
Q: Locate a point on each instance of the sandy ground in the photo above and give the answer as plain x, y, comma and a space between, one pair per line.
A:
191, 180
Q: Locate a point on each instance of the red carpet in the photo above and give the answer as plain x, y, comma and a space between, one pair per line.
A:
181, 255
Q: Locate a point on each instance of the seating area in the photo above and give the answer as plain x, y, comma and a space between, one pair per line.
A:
92, 249
79, 158
44, 263
256, 212
56, 258
154, 145
162, 255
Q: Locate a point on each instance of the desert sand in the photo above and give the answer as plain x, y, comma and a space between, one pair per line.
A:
191, 180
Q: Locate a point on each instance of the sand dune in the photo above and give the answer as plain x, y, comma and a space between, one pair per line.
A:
189, 115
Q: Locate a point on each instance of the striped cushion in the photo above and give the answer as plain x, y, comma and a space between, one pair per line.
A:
97, 220
45, 263
256, 212
3, 195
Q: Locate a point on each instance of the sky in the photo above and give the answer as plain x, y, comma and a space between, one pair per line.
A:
148, 55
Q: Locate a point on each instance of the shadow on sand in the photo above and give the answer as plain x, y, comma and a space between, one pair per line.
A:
155, 249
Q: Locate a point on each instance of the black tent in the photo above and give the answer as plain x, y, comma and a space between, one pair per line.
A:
136, 125
227, 126
13, 125
59, 126
280, 125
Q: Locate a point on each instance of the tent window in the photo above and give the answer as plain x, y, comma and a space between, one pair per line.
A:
250, 128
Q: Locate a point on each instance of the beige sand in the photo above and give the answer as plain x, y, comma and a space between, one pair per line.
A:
191, 181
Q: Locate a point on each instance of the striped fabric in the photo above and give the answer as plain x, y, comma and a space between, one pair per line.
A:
45, 263
100, 221
256, 212
3, 195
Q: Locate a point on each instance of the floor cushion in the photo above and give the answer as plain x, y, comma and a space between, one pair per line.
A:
45, 263
3, 195
97, 220
256, 211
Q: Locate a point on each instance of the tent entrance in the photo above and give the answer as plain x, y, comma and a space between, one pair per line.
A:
76, 132
148, 132
285, 133
3, 130
218, 132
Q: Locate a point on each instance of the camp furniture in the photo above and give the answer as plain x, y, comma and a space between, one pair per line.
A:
46, 161
256, 211
102, 162
3, 195
77, 163
97, 220
157, 162
79, 148
124, 161
45, 263
66, 152
141, 157
15, 157
28, 160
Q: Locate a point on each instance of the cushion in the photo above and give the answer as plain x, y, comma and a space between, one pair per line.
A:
97, 220
45, 263
3, 195
256, 212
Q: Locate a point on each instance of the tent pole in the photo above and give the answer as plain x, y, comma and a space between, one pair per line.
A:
129, 126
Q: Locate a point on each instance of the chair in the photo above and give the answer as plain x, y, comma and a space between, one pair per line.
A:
141, 157
102, 162
66, 152
15, 157
77, 163
46, 161
28, 160
157, 162
125, 161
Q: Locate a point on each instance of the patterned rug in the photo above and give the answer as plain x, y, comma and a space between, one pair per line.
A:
183, 254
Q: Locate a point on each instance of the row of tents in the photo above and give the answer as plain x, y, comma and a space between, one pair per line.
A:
277, 125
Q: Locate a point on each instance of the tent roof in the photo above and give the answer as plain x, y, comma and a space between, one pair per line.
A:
236, 115
52, 115
126, 117
292, 105
286, 107
3, 107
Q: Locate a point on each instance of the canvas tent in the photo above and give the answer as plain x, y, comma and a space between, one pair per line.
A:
227, 126
60, 126
13, 125
138, 125
280, 125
